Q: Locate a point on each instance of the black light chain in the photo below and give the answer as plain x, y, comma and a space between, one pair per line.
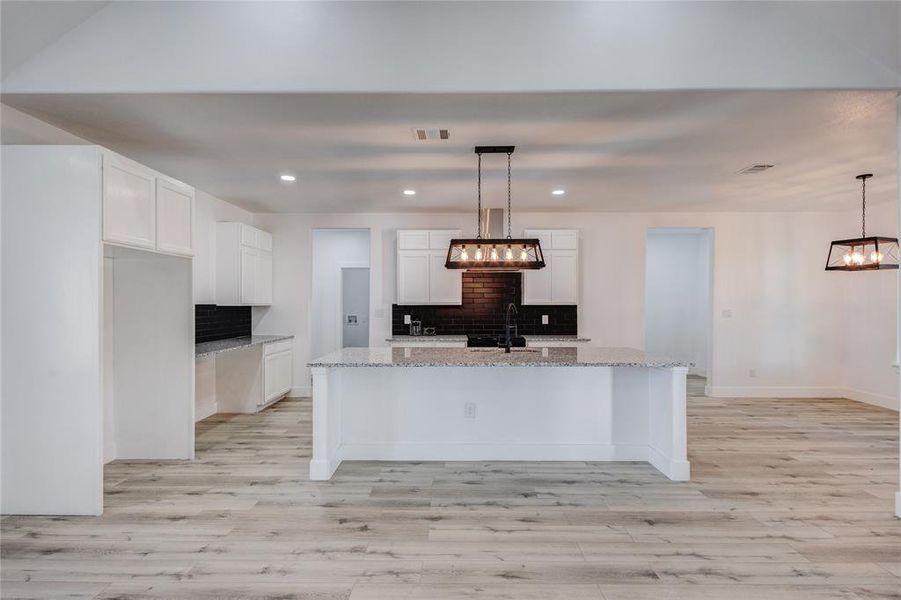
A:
479, 212
863, 215
509, 226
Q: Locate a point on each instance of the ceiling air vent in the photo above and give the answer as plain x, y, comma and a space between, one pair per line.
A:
428, 134
758, 168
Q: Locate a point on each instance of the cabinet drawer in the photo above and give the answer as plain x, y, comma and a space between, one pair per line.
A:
276, 347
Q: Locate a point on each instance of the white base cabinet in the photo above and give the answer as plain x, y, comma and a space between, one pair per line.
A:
558, 281
421, 275
243, 265
252, 378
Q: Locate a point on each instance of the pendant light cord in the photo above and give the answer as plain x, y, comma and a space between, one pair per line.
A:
479, 211
509, 205
863, 202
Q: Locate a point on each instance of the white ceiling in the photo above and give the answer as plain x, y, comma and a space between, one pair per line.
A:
629, 151
26, 28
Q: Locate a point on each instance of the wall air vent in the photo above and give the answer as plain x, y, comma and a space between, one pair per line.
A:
428, 134
758, 168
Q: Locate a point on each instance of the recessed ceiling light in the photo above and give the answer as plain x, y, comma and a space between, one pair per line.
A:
558, 192
289, 178
409, 192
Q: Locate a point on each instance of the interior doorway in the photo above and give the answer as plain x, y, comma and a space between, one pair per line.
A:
355, 307
339, 254
678, 295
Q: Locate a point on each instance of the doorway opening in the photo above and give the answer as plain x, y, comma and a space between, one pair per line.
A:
341, 301
355, 307
678, 296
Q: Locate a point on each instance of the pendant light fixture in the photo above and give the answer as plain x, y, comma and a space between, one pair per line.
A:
494, 254
863, 253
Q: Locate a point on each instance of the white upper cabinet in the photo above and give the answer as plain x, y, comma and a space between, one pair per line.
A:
174, 217
558, 281
243, 265
129, 203
145, 209
421, 275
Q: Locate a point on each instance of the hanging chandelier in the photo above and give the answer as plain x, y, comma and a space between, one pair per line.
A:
863, 253
494, 254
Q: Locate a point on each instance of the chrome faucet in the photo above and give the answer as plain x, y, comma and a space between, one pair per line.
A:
508, 341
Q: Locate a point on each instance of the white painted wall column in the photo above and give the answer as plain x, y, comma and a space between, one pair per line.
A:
898, 339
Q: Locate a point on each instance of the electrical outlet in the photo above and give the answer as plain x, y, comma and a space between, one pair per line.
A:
407, 319
469, 410
727, 313
544, 320
752, 372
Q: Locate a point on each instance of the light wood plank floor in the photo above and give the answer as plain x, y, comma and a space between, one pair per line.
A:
789, 499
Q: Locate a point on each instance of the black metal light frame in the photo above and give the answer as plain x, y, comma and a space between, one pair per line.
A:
463, 253
866, 253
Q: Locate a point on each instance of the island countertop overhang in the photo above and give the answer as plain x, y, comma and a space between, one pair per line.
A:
490, 357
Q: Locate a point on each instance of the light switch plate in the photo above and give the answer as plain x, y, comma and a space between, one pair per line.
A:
407, 319
727, 313
544, 320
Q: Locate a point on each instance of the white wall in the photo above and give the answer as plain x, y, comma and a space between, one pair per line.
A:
208, 210
332, 250
785, 310
677, 295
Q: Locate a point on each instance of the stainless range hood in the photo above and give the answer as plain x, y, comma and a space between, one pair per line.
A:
492, 223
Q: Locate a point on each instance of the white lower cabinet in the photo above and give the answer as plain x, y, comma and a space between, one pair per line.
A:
277, 379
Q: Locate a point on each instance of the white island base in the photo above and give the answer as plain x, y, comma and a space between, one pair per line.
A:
412, 408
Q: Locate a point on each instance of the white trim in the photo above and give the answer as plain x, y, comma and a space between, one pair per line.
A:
898, 504
677, 470
301, 391
801, 392
322, 470
532, 452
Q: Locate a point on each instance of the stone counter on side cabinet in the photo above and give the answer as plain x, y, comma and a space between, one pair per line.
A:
458, 404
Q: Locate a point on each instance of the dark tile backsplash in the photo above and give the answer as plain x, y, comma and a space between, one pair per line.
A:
485, 297
213, 322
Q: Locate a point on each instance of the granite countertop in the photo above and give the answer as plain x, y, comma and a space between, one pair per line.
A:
426, 338
229, 344
585, 356
556, 338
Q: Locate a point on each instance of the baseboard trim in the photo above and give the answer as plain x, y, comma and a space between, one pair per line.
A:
801, 392
677, 470
304, 391
481, 452
898, 504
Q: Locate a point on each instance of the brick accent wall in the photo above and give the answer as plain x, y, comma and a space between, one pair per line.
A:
485, 298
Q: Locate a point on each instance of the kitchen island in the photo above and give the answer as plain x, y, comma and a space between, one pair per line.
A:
458, 404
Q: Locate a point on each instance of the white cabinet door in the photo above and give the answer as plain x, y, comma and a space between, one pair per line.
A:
263, 294
537, 286
564, 271
129, 203
445, 285
439, 239
248, 275
276, 375
174, 217
413, 239
413, 277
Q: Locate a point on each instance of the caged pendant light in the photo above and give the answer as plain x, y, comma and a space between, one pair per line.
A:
494, 254
863, 253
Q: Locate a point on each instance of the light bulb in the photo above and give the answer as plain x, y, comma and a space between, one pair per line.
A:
876, 257
523, 255
508, 255
464, 255
494, 254
857, 257
479, 254
847, 258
